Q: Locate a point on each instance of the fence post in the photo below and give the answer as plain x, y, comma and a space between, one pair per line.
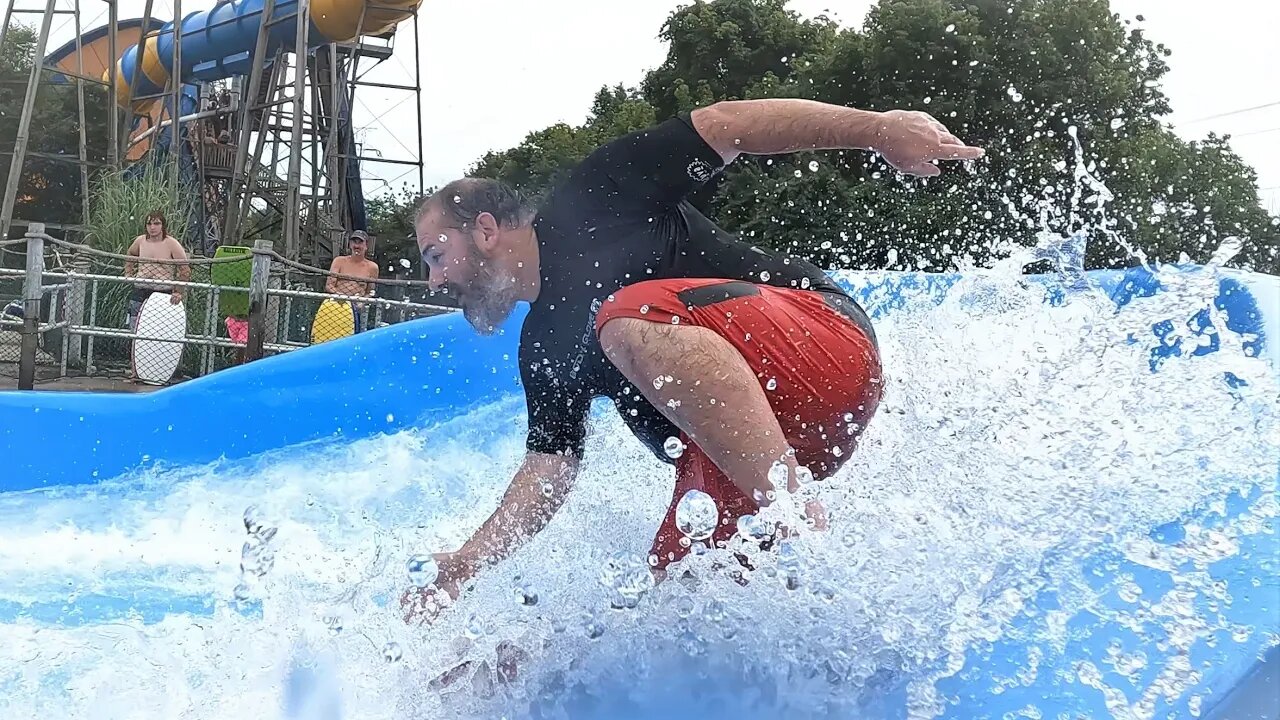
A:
77, 304
398, 292
260, 273
31, 291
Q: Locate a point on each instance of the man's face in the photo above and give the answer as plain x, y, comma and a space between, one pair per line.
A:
358, 246
485, 292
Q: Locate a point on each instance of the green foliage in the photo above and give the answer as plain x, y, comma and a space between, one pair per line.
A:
49, 190
1022, 78
120, 201
118, 208
390, 220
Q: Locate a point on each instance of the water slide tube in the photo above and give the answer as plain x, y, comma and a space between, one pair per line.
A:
218, 43
430, 370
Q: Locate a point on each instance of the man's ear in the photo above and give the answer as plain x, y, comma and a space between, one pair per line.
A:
487, 224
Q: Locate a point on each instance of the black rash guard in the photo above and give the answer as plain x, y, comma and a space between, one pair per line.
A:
621, 217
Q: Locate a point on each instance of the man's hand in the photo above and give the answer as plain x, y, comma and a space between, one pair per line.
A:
912, 141
175, 297
423, 605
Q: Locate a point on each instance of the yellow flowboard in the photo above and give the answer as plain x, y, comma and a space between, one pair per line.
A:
333, 320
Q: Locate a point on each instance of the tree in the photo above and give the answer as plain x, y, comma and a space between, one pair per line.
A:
1057, 91
49, 189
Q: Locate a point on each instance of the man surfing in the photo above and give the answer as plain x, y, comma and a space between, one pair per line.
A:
730, 357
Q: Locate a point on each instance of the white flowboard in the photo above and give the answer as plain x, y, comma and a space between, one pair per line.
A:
155, 361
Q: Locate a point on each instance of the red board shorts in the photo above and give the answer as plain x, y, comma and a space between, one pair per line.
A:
814, 353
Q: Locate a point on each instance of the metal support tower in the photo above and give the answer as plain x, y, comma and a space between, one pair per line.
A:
295, 145
21, 151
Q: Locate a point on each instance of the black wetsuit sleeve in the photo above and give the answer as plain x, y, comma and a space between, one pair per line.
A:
557, 408
661, 164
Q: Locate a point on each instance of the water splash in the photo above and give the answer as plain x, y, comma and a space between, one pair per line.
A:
1016, 439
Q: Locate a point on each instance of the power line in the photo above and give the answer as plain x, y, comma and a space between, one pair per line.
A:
1229, 113
1255, 132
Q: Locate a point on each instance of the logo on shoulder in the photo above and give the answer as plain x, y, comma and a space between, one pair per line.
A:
700, 170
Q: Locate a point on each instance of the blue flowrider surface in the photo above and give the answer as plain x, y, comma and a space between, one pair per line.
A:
427, 371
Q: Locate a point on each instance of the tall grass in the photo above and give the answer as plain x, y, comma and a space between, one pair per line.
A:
119, 203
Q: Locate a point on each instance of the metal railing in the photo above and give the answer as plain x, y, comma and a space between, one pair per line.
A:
71, 317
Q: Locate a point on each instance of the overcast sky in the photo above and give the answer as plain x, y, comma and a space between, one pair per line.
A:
494, 70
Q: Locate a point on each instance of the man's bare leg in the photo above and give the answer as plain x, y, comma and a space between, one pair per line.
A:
713, 395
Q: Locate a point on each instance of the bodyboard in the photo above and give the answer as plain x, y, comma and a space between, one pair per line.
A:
156, 360
333, 320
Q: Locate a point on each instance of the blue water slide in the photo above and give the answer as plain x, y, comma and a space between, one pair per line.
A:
216, 44
428, 371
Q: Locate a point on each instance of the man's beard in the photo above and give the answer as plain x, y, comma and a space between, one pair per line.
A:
489, 299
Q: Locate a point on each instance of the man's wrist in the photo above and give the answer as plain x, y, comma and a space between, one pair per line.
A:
873, 127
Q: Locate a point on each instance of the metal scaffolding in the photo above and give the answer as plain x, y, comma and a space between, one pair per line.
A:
293, 159
41, 73
297, 159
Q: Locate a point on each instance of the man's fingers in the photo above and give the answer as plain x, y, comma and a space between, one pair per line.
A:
923, 170
961, 152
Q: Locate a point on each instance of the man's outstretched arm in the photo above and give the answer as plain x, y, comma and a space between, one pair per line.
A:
910, 141
537, 491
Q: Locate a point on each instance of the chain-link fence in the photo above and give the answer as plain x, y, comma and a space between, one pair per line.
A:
160, 321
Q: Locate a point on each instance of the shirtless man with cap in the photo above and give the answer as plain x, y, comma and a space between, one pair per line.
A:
356, 264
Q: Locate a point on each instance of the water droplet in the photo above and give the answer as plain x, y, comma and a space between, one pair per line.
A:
423, 570
526, 595
684, 606
547, 490
1014, 94
242, 593
691, 643
627, 577
1117, 123
772, 384
825, 592
594, 628
764, 276
779, 474
391, 418
1129, 592
333, 621
753, 528
673, 447
644, 309
252, 519
658, 382
475, 628
697, 515
951, 28
813, 166
837, 451
804, 283
789, 564
799, 174
675, 319
804, 475
714, 611
391, 652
